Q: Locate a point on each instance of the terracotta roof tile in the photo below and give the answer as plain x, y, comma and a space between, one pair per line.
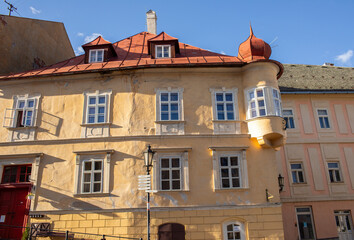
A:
133, 52
96, 42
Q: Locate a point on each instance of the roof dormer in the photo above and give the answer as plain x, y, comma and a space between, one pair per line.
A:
98, 50
163, 46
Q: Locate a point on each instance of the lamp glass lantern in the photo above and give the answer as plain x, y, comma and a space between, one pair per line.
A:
281, 182
148, 155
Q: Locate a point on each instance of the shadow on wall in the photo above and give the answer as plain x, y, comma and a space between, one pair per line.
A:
50, 123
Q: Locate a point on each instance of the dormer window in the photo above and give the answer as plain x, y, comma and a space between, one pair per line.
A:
163, 51
96, 55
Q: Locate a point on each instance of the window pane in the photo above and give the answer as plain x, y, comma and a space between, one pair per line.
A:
175, 162
91, 119
87, 177
230, 236
21, 104
22, 178
97, 187
175, 174
254, 114
164, 107
235, 182
333, 165
174, 116
230, 116
97, 177
166, 52
228, 96
176, 185
322, 112
287, 112
164, 96
260, 103
234, 161
237, 235
337, 176
164, 116
262, 112
98, 165
30, 103
165, 162
92, 110
229, 107
100, 119
174, 96
86, 187
229, 228
219, 97
165, 174
92, 100
220, 107
294, 177
223, 161
225, 183
251, 95
224, 172
296, 166
87, 166
174, 107
275, 93
260, 93
234, 172
101, 109
23, 169
165, 185
221, 116
326, 121
301, 177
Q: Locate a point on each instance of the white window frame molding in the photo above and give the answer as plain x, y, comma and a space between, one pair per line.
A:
80, 157
182, 154
92, 172
339, 169
95, 60
235, 222
163, 46
323, 116
269, 102
21, 159
289, 116
234, 92
297, 170
170, 169
169, 127
240, 152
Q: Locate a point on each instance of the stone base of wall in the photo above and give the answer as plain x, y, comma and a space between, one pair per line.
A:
260, 222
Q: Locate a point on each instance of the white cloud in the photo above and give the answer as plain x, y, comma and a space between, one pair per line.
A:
222, 52
80, 34
79, 51
345, 57
92, 37
35, 11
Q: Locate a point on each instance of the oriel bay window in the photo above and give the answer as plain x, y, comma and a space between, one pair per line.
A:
263, 101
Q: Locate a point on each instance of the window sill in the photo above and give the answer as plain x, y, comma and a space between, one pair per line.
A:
18, 128
231, 189
300, 184
223, 121
170, 121
95, 124
91, 195
173, 190
262, 117
337, 183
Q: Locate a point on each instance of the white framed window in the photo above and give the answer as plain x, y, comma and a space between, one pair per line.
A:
263, 101
234, 230
297, 173
170, 171
96, 55
288, 116
229, 169
163, 51
92, 172
225, 106
334, 172
323, 118
169, 105
23, 113
96, 107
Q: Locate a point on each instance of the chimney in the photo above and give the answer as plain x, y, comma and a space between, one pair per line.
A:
151, 21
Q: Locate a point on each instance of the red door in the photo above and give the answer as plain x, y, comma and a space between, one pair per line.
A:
13, 210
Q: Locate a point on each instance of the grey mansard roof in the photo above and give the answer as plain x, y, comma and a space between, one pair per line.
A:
312, 78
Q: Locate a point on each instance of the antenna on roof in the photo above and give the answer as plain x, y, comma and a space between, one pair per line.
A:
11, 7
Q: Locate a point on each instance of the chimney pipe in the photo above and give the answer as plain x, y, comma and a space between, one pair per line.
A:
151, 21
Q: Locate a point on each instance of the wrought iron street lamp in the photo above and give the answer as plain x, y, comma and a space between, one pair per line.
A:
148, 155
281, 182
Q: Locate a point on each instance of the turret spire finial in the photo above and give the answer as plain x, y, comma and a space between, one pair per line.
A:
251, 31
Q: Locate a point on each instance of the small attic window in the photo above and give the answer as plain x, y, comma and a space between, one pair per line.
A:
163, 51
96, 55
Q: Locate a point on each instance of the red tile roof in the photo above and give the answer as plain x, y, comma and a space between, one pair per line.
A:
132, 53
98, 41
163, 37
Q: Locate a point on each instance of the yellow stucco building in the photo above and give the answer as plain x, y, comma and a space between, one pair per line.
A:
74, 135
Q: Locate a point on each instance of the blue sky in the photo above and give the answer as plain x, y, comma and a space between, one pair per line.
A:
300, 32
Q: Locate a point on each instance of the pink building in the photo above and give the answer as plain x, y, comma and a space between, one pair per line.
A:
317, 162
